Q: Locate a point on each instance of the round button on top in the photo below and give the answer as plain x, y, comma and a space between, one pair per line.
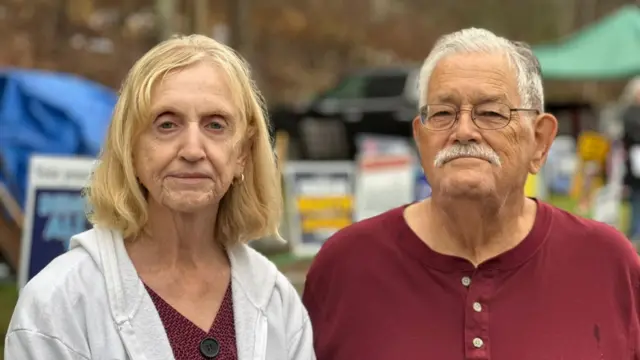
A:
209, 348
466, 281
477, 342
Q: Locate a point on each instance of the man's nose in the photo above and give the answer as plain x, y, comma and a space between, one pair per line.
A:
465, 129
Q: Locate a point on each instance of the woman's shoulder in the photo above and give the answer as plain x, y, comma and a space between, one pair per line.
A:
54, 308
62, 285
260, 277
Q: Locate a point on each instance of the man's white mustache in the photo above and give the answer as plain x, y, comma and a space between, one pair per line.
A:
466, 150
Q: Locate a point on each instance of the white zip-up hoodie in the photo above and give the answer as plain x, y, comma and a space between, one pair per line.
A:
89, 303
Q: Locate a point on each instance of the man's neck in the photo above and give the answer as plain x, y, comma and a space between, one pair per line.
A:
474, 229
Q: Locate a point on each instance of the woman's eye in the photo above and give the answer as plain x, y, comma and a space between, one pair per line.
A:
215, 125
166, 125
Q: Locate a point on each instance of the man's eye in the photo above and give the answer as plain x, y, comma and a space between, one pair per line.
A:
490, 114
442, 115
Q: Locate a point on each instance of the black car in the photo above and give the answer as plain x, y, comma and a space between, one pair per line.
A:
380, 101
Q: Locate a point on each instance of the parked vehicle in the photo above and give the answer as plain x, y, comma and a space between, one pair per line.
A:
380, 101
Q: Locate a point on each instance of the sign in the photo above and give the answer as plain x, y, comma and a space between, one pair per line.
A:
319, 202
593, 149
384, 182
386, 176
422, 189
55, 210
561, 165
531, 186
608, 199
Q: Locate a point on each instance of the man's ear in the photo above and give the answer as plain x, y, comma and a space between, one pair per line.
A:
416, 124
545, 129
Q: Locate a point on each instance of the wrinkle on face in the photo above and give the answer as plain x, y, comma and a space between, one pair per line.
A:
444, 85
195, 127
464, 81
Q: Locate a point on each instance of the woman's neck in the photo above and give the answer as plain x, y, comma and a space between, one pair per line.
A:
180, 241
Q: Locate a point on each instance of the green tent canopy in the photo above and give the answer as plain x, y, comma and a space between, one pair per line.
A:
608, 49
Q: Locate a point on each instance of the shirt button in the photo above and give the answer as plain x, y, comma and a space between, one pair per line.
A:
209, 348
477, 307
477, 342
466, 281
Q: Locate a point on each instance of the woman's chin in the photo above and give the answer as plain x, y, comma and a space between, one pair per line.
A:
189, 202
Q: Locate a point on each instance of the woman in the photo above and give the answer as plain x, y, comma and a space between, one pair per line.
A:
187, 176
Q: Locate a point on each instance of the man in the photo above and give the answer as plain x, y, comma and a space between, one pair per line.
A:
477, 271
631, 141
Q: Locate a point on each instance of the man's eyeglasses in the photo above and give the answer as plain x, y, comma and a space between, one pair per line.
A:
488, 116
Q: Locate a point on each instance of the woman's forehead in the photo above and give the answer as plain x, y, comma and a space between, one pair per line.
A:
202, 86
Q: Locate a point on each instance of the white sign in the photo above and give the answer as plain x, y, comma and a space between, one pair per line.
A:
608, 199
384, 183
55, 210
319, 198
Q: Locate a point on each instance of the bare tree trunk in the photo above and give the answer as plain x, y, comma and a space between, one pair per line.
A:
239, 26
201, 17
165, 10
567, 23
587, 17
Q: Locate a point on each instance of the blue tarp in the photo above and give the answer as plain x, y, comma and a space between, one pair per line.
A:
48, 113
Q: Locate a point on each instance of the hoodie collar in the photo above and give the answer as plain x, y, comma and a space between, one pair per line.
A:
251, 272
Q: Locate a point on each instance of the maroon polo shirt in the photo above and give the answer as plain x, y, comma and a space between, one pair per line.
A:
569, 290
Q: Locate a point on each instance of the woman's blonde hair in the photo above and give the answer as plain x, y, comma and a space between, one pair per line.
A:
251, 209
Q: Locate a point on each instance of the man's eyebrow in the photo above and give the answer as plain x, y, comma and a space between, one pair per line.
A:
475, 98
447, 99
483, 98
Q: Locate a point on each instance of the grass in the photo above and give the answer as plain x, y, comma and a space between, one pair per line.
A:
569, 204
8, 298
286, 262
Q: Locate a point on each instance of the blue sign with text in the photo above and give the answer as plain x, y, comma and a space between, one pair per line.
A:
55, 210
58, 215
423, 189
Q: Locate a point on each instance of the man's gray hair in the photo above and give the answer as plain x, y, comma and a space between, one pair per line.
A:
473, 40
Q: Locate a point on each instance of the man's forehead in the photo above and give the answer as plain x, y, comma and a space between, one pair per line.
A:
473, 77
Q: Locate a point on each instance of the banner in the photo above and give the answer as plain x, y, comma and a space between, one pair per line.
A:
54, 212
319, 202
422, 188
384, 182
608, 199
386, 176
593, 149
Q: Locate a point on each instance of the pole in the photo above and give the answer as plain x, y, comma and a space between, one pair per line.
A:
239, 25
201, 17
165, 10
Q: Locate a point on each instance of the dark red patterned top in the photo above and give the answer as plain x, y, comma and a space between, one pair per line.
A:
185, 337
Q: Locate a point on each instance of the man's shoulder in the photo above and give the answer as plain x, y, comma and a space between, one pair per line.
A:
362, 238
367, 230
582, 234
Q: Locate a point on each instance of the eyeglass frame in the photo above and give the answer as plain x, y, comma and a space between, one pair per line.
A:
458, 111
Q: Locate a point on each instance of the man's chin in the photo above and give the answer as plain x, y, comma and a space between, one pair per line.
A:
467, 187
